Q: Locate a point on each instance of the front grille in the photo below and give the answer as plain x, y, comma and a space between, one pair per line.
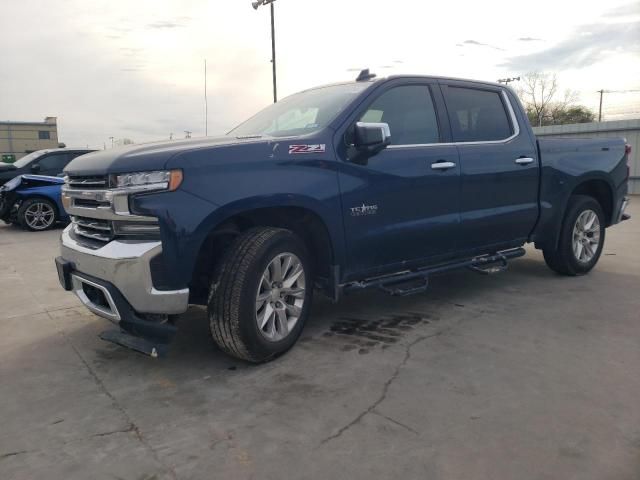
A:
88, 182
93, 228
88, 203
101, 214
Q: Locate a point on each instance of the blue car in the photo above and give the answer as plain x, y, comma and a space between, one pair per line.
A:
32, 201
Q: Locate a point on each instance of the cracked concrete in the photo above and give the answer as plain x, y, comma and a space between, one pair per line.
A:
523, 375
383, 395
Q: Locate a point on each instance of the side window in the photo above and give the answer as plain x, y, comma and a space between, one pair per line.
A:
410, 113
53, 163
477, 115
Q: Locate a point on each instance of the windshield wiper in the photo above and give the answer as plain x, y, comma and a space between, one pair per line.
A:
245, 137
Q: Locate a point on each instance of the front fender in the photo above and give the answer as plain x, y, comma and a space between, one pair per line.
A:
187, 220
51, 193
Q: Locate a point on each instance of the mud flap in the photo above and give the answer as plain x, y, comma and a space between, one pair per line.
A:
124, 339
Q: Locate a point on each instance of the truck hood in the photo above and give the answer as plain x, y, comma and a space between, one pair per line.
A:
5, 167
146, 156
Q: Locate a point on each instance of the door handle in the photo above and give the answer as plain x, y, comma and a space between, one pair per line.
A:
442, 165
524, 160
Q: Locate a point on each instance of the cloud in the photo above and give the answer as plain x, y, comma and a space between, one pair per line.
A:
630, 9
584, 47
529, 39
480, 44
165, 24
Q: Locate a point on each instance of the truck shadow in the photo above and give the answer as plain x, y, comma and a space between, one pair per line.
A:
360, 324
372, 320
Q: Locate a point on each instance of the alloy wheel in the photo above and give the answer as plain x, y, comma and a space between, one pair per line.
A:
281, 296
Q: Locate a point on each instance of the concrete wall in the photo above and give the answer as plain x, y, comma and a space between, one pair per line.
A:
20, 138
629, 129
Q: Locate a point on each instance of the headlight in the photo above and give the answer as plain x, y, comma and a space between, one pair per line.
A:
12, 184
156, 180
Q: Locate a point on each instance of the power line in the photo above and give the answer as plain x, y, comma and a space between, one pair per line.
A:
603, 91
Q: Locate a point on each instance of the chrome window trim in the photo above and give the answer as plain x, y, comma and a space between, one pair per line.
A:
514, 121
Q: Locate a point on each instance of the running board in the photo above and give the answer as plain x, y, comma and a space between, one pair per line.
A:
417, 281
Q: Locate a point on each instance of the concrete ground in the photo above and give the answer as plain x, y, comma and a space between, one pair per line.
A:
522, 375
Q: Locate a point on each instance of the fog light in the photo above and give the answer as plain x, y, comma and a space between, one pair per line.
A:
136, 228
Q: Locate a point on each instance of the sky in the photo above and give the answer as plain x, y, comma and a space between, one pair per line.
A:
135, 69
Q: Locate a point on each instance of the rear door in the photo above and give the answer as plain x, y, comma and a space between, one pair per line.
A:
498, 165
400, 207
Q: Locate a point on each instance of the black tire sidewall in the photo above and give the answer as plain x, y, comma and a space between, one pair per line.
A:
26, 204
578, 205
260, 347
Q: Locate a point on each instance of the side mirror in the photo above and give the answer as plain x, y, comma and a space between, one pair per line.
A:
371, 137
35, 168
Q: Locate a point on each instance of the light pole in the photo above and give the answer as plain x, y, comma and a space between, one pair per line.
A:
257, 4
507, 81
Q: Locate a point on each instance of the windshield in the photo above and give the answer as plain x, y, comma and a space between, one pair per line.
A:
301, 113
28, 158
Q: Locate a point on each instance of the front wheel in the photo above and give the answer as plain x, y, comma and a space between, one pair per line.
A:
37, 214
581, 238
261, 295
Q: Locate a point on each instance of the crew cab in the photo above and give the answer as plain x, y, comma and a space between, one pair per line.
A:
377, 183
50, 162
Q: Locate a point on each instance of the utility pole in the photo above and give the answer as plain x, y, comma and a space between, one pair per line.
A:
206, 104
601, 92
257, 4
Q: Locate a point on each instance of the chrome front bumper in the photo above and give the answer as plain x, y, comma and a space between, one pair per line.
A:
125, 265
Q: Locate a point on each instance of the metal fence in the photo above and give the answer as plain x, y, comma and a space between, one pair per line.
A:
629, 129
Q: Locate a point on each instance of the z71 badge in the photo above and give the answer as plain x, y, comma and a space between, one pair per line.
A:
317, 148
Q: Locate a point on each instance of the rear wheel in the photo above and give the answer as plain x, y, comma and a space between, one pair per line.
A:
581, 238
37, 214
261, 295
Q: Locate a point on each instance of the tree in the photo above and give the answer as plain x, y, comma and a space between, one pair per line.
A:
539, 94
573, 114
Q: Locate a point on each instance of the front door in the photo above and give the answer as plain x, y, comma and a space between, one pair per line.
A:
402, 205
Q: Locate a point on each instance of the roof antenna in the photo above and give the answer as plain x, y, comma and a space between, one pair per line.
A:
365, 76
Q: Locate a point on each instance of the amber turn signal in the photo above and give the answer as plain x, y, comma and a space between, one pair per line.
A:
175, 179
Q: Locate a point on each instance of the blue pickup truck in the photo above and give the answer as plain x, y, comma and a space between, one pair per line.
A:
377, 183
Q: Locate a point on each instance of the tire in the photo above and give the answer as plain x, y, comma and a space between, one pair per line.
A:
233, 305
37, 214
565, 258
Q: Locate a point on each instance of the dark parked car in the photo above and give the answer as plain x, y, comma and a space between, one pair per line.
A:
369, 184
43, 162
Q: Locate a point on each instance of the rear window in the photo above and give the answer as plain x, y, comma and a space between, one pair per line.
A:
477, 115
